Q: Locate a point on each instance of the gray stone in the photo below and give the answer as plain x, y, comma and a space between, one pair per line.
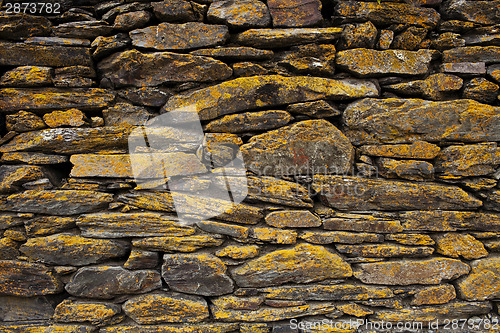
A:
19, 26
239, 14
483, 12
174, 11
280, 38
41, 55
486, 54
25, 309
82, 29
104, 46
464, 68
295, 13
27, 279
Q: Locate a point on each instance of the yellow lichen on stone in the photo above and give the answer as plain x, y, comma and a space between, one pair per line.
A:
434, 295
180, 244
455, 245
275, 235
355, 310
76, 311
238, 252
410, 239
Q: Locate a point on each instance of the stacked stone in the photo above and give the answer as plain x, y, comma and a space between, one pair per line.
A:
369, 131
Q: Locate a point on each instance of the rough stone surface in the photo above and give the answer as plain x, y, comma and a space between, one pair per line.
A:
385, 251
174, 11
167, 36
275, 236
293, 219
41, 55
360, 35
278, 38
19, 27
161, 67
25, 308
178, 243
27, 279
440, 294
474, 54
407, 272
362, 223
71, 118
249, 121
463, 245
239, 14
290, 265
449, 221
199, 274
435, 87
13, 176
325, 292
417, 150
27, 76
341, 237
472, 11
295, 13
94, 312
315, 109
481, 90
482, 283
409, 169
278, 191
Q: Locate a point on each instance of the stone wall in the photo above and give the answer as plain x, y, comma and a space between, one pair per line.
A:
369, 133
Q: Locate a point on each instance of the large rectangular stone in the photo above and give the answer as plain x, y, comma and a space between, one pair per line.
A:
21, 54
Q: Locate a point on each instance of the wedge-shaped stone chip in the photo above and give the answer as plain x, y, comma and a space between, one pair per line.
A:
27, 279
63, 249
133, 68
166, 308
406, 272
254, 92
301, 264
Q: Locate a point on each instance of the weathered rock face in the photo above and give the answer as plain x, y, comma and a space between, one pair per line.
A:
455, 245
482, 283
295, 13
417, 150
27, 279
472, 11
435, 87
25, 308
249, 121
199, 274
239, 14
301, 264
167, 36
96, 313
474, 54
278, 38
420, 120
309, 147
267, 91
42, 55
449, 221
293, 218
160, 67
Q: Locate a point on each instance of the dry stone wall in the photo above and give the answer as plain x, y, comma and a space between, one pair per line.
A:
369, 131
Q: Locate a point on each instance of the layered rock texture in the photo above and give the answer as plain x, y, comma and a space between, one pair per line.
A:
359, 140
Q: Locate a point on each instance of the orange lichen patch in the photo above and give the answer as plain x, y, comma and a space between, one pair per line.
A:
94, 312
340, 237
23, 121
250, 121
411, 239
434, 295
39, 279
26, 76
71, 117
40, 55
238, 252
44, 328
274, 235
417, 150
449, 220
238, 303
13, 176
338, 292
293, 219
355, 310
485, 54
277, 38
184, 328
300, 264
464, 245
180, 244
385, 250
295, 13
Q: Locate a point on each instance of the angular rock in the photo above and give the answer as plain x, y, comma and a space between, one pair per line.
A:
238, 303
141, 259
58, 41
293, 219
267, 91
82, 29
104, 46
448, 40
19, 26
235, 53
145, 96
181, 328
362, 223
239, 14
340, 237
278, 191
483, 282
27, 76
449, 221
112, 10
163, 201
410, 39
417, 150
69, 140
65, 249
474, 11
132, 20
463, 245
24, 279
71, 117
46, 327
494, 72
409, 169
308, 147
10, 220
387, 13
117, 225
178, 244
174, 11
303, 263
246, 68
62, 202
281, 38
429, 314
476, 54
199, 274
122, 69
385, 250
74, 76
54, 98
407, 272
9, 250
125, 114
435, 87
483, 36
411, 239
315, 109
360, 35
481, 90
468, 160
167, 36
295, 13
367, 62
224, 229
238, 252
23, 121
310, 59
464, 68
106, 282
270, 314
25, 309
275, 236
385, 40
353, 193
249, 121
12, 177
41, 55
96, 313
440, 294
166, 308
44, 225
337, 292
415, 119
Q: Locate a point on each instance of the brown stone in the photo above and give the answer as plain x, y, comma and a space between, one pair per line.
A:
12, 177
468, 160
407, 272
325, 292
9, 250
167, 36
178, 243
315, 109
224, 229
41, 55
417, 150
18, 309
132, 20
473, 11
463, 245
23, 121
485, 54
280, 38
448, 40
96, 313
295, 13
71, 117
481, 90
242, 69
172, 328
409, 169
238, 252
308, 147
104, 46
237, 53
22, 26
457, 120
293, 219
385, 250
141, 259
410, 39
275, 236
27, 76
360, 35
434, 295
435, 87
362, 223
290, 265
249, 121
355, 310
354, 193
310, 59
157, 68
411, 239
125, 114
82, 29
27, 279
449, 221
199, 274
484, 281
464, 68
278, 191
239, 14
174, 11
367, 62
340, 237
